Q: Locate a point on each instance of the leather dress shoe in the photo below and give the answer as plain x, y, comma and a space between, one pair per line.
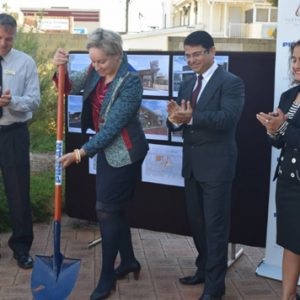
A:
210, 297
24, 261
192, 280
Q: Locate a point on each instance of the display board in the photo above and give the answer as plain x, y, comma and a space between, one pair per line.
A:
159, 200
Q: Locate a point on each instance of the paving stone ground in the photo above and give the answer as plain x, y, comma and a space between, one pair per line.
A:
164, 258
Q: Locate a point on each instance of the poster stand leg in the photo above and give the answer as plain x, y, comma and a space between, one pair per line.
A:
93, 243
234, 256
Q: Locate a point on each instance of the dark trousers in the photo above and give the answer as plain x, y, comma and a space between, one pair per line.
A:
208, 209
14, 165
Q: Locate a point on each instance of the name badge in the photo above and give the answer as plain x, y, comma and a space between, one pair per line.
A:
9, 72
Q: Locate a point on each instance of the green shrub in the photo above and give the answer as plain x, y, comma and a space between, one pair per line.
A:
4, 216
42, 127
41, 194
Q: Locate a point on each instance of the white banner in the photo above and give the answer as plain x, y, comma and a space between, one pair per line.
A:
288, 30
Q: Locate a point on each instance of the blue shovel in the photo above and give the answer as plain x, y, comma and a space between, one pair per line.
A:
53, 277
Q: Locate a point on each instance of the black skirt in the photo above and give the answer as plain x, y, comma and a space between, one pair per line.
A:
115, 187
288, 214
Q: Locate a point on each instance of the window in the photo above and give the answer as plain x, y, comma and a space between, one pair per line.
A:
273, 15
249, 16
262, 15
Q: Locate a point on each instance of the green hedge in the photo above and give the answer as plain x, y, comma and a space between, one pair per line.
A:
41, 194
42, 127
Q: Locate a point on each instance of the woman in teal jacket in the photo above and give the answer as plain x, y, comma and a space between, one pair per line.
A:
112, 97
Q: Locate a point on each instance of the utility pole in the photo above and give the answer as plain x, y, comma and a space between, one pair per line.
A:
126, 14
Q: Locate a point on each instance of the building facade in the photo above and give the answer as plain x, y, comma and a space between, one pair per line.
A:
227, 18
62, 19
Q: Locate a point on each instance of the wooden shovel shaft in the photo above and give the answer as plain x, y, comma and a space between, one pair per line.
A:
59, 143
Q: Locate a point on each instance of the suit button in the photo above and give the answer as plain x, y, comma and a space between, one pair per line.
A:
294, 160
293, 175
282, 158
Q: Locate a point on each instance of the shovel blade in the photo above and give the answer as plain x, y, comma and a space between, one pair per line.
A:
51, 283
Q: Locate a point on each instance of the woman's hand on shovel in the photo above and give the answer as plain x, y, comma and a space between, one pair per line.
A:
72, 157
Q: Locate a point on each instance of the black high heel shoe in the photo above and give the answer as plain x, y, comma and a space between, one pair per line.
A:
134, 268
102, 291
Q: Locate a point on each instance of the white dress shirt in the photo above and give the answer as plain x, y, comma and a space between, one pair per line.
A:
206, 77
20, 76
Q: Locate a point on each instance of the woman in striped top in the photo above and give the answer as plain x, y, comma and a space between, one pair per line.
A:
283, 128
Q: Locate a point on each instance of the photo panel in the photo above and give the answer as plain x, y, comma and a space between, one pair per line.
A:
153, 70
153, 116
176, 136
181, 71
74, 114
162, 165
77, 69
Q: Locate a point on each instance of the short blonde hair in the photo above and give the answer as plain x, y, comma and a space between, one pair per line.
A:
109, 41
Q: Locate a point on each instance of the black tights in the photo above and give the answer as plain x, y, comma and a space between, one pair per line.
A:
116, 236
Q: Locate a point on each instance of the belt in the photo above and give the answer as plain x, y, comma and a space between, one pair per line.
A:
6, 128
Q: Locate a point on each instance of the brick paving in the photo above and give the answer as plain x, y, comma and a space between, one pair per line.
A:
164, 257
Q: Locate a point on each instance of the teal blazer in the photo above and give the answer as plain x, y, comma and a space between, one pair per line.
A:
121, 136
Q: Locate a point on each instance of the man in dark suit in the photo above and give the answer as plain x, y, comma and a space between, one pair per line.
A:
207, 110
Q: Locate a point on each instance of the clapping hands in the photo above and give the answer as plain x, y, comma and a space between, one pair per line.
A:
179, 114
272, 120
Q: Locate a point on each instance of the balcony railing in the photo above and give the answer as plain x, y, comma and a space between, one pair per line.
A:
184, 2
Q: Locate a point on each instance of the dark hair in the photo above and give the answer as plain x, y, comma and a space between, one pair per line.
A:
199, 38
7, 21
292, 47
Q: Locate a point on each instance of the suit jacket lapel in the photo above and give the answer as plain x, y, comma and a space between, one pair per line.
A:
291, 96
91, 82
189, 90
123, 69
210, 88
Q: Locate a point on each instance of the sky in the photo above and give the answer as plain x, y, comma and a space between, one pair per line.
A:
143, 13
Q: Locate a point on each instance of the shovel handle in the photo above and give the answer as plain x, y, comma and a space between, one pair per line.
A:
59, 143
60, 102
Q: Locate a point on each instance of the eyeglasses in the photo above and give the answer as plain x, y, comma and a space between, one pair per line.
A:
196, 54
